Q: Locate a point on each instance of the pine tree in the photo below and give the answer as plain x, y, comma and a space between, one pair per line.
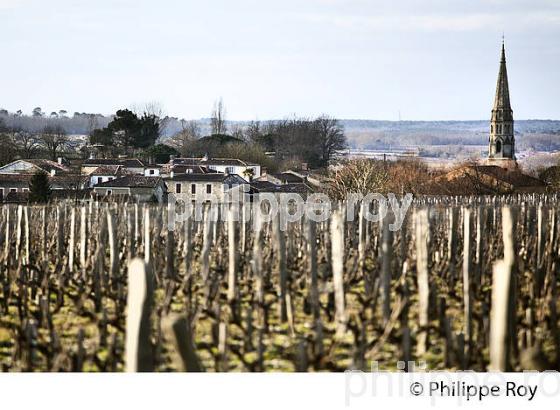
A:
39, 188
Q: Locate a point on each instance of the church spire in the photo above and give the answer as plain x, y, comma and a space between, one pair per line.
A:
501, 101
502, 136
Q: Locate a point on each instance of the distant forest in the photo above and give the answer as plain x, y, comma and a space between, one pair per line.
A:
538, 135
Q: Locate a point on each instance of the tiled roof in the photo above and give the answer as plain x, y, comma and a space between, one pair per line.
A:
265, 186
288, 177
512, 177
211, 161
48, 165
42, 164
127, 162
131, 181
56, 179
195, 169
217, 177
107, 170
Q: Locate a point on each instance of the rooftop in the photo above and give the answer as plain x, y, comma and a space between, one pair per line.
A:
126, 162
131, 181
211, 161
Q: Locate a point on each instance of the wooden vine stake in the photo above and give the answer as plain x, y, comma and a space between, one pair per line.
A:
138, 348
231, 254
422, 232
499, 317
467, 292
337, 251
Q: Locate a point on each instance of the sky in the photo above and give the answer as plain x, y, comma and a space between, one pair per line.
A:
352, 59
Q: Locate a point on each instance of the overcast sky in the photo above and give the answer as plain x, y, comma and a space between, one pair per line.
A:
369, 59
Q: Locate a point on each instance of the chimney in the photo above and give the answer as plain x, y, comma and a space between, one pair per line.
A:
172, 174
53, 172
59, 160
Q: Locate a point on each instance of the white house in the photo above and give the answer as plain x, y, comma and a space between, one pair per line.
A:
191, 187
138, 187
224, 165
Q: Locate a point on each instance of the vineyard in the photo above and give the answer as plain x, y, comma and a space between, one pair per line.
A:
467, 283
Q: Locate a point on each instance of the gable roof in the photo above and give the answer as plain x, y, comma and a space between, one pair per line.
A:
265, 186
131, 181
194, 169
491, 178
22, 180
209, 177
211, 161
126, 162
288, 177
107, 170
44, 165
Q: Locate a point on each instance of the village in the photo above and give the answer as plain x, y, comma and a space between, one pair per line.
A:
296, 156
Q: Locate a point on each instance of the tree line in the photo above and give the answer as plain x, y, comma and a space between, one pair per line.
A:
144, 132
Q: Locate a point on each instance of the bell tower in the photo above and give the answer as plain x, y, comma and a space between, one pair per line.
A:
502, 140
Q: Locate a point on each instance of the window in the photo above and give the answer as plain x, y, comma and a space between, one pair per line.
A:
208, 188
230, 170
109, 192
177, 188
152, 171
24, 189
1, 193
498, 146
193, 189
13, 189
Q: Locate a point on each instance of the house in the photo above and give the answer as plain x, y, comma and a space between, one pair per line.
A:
223, 165
19, 183
198, 187
152, 170
104, 174
31, 166
138, 187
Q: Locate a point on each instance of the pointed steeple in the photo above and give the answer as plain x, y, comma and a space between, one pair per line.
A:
501, 101
502, 135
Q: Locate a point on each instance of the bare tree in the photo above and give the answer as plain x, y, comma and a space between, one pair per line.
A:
218, 118
360, 176
52, 138
330, 137
189, 133
237, 131
25, 141
254, 131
